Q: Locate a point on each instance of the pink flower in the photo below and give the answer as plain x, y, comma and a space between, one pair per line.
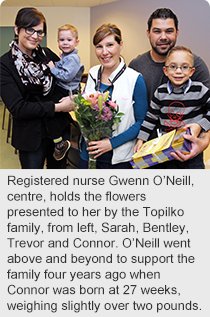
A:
96, 107
106, 114
93, 98
112, 104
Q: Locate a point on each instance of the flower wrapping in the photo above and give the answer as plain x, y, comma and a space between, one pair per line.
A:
97, 117
159, 150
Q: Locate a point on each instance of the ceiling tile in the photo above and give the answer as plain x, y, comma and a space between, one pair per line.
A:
55, 3
84, 3
13, 3
38, 3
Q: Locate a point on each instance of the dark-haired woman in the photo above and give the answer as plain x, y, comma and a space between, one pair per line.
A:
127, 87
27, 89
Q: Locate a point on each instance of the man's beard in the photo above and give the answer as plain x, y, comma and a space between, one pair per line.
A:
160, 52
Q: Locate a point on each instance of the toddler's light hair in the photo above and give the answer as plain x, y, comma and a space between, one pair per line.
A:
69, 27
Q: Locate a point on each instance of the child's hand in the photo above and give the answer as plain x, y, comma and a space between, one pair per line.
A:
138, 146
51, 64
195, 128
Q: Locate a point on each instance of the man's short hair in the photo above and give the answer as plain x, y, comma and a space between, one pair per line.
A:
162, 13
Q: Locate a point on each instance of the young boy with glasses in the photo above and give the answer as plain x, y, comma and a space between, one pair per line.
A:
177, 103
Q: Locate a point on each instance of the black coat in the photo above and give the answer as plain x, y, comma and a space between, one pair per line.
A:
28, 109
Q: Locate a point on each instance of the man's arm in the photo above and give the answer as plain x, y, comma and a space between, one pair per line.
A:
199, 144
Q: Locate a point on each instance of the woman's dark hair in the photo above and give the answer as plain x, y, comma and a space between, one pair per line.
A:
107, 29
30, 17
162, 13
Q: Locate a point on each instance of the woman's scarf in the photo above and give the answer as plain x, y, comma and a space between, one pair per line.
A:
30, 72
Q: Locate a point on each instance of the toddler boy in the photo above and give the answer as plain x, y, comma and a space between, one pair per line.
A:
68, 72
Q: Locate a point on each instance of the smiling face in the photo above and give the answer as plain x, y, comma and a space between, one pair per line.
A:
176, 75
67, 41
162, 36
27, 43
108, 52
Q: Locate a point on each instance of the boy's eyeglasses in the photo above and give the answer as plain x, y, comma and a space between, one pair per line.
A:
183, 68
31, 31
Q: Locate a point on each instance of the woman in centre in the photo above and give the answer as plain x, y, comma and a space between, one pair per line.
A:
127, 88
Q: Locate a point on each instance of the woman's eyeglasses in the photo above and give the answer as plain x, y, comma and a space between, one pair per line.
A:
31, 31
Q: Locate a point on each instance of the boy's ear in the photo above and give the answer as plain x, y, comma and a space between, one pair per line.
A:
77, 42
165, 70
192, 71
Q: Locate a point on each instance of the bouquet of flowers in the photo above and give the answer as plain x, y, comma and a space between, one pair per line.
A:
97, 117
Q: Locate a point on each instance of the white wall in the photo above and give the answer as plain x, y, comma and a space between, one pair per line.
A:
57, 16
131, 17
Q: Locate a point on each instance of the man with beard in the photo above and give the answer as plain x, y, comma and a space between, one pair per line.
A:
162, 33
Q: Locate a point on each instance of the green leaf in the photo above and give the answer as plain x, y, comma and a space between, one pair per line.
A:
76, 100
117, 119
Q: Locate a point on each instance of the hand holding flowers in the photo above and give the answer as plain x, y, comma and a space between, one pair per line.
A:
97, 148
97, 117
